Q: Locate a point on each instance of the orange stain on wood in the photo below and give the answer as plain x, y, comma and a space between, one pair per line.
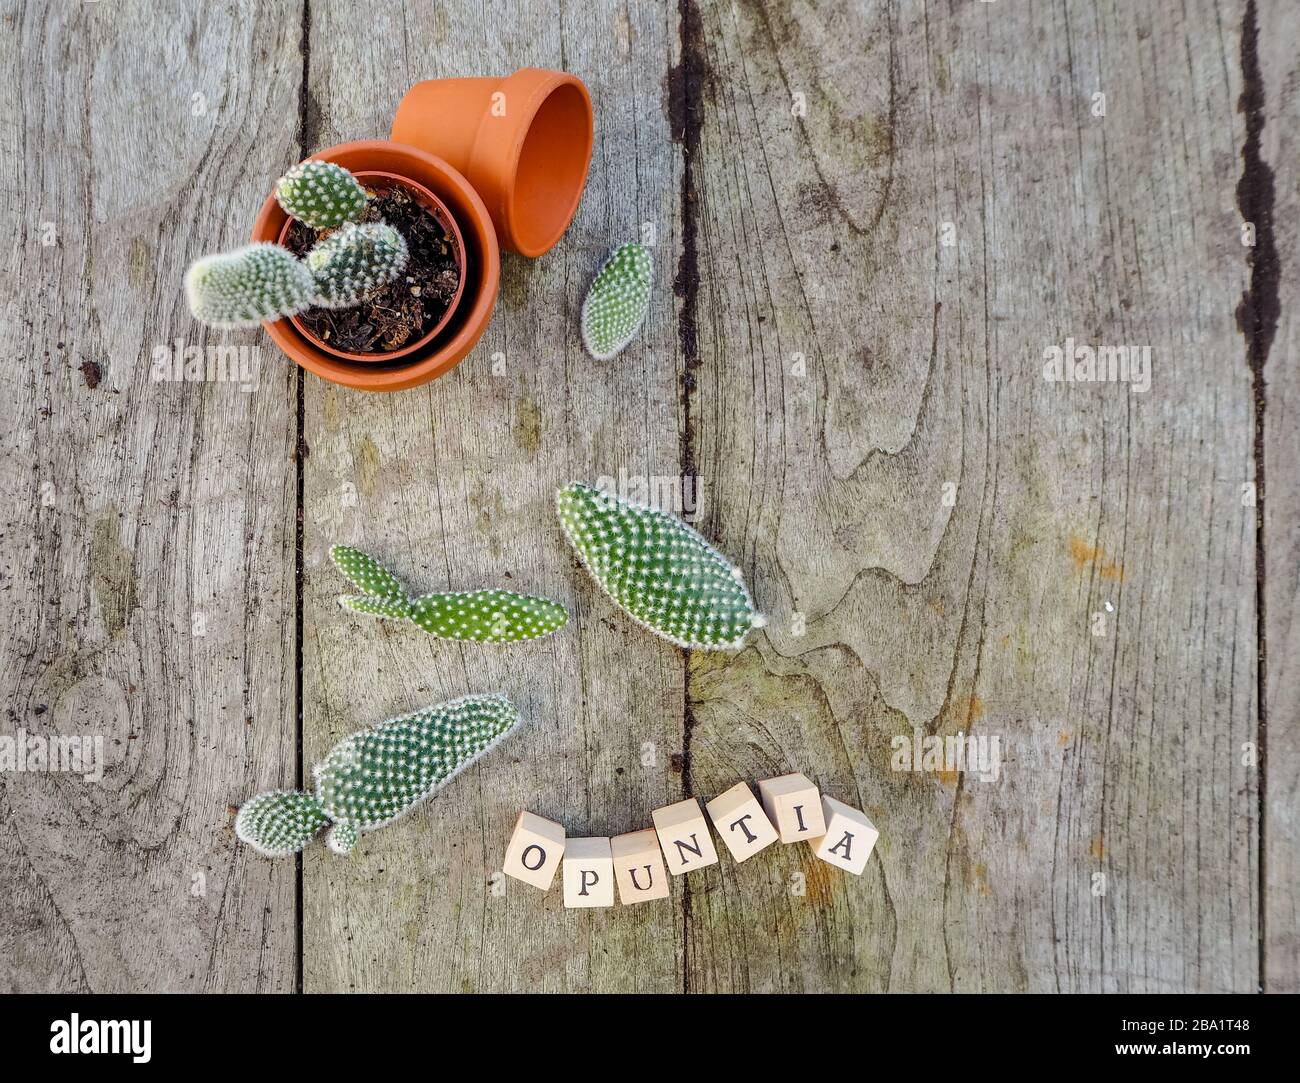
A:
1098, 848
1063, 738
1084, 554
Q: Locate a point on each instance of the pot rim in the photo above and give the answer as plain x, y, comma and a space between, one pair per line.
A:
442, 213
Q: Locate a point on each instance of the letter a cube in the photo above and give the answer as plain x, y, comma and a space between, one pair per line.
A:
588, 872
535, 850
850, 837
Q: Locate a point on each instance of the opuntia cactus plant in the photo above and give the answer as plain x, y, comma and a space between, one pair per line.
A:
479, 616
658, 569
322, 194
267, 281
618, 301
354, 260
251, 284
375, 776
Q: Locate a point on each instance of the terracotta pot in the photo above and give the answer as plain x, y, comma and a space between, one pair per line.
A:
481, 278
380, 181
523, 141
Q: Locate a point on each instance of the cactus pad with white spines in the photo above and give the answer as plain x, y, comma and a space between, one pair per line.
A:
366, 572
478, 616
658, 569
280, 822
377, 775
389, 608
617, 303
251, 284
321, 194
355, 260
488, 616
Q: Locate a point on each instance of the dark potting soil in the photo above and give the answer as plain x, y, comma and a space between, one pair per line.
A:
407, 308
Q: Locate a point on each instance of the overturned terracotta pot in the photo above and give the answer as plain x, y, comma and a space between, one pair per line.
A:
524, 143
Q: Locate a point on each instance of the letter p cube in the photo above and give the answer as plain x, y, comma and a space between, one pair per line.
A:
588, 872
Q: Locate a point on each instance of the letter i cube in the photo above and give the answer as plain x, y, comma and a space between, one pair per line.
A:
794, 805
588, 872
739, 819
850, 837
535, 849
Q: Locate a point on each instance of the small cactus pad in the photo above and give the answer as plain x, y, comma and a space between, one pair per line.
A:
376, 775
658, 569
618, 301
488, 616
366, 573
391, 608
280, 822
354, 260
321, 194
251, 284
342, 838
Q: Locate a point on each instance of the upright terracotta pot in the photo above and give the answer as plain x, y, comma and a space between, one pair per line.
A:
483, 271
524, 142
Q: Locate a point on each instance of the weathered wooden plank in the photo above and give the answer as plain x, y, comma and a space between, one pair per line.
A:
1271, 193
953, 204
452, 484
146, 557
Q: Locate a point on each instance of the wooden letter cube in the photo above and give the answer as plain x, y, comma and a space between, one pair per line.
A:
684, 837
793, 804
588, 872
849, 839
535, 850
739, 819
638, 868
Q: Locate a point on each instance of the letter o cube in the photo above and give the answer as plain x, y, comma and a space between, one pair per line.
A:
535, 849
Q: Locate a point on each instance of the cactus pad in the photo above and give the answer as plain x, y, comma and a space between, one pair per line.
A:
618, 301
480, 616
374, 776
389, 608
368, 575
488, 616
321, 194
377, 775
251, 284
354, 260
663, 573
280, 822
